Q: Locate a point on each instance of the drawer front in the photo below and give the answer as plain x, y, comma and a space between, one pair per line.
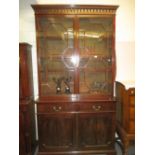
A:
76, 107
55, 107
96, 107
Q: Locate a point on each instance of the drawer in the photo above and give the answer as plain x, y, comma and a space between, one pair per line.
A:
55, 107
75, 107
95, 107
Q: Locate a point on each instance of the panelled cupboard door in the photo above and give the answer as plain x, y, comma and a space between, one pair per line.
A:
56, 131
96, 130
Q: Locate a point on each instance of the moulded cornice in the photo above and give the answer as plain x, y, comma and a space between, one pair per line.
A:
75, 9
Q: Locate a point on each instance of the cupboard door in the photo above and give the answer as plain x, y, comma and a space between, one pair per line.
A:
55, 131
55, 38
96, 129
96, 55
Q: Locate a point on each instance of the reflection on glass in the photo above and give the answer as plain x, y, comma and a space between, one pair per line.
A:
75, 60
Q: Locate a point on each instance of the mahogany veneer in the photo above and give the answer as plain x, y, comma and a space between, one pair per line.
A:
76, 74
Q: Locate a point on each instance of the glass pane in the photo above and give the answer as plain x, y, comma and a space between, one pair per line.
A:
55, 36
95, 43
94, 82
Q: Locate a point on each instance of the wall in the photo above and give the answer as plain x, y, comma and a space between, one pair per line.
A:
125, 39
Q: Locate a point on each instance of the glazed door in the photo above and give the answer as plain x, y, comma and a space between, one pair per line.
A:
96, 51
56, 131
55, 38
96, 130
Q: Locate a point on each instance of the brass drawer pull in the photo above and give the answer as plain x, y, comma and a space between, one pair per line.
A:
96, 107
57, 108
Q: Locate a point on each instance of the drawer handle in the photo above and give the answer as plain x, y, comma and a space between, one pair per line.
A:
96, 107
57, 108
